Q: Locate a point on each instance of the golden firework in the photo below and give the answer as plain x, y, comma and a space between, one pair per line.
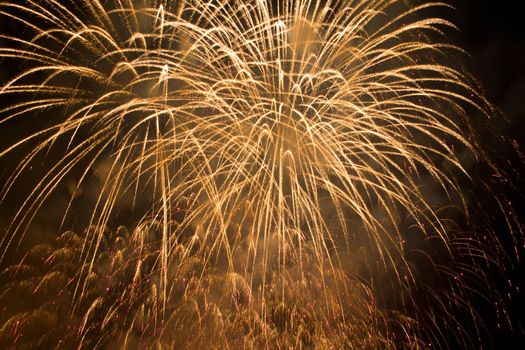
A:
301, 141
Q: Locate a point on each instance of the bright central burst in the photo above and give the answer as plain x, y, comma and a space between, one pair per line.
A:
285, 149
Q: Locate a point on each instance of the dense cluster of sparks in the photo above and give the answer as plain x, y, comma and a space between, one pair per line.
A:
294, 156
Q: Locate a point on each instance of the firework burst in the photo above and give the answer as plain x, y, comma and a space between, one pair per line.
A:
298, 161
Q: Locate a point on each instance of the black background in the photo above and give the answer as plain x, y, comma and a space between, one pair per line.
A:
493, 34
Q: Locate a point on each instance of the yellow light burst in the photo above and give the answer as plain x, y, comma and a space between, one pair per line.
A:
286, 149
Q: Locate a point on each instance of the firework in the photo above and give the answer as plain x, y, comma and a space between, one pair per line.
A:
292, 158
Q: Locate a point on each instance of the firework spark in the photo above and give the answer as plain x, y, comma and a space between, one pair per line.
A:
293, 156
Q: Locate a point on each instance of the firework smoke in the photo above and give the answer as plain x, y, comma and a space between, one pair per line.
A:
295, 170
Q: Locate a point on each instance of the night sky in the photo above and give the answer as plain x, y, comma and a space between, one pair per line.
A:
493, 33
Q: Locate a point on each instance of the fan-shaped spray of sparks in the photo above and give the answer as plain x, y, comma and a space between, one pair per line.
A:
286, 149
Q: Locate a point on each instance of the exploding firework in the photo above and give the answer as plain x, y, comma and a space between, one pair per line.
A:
296, 168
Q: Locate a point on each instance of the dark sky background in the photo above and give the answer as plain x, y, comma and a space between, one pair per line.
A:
493, 33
